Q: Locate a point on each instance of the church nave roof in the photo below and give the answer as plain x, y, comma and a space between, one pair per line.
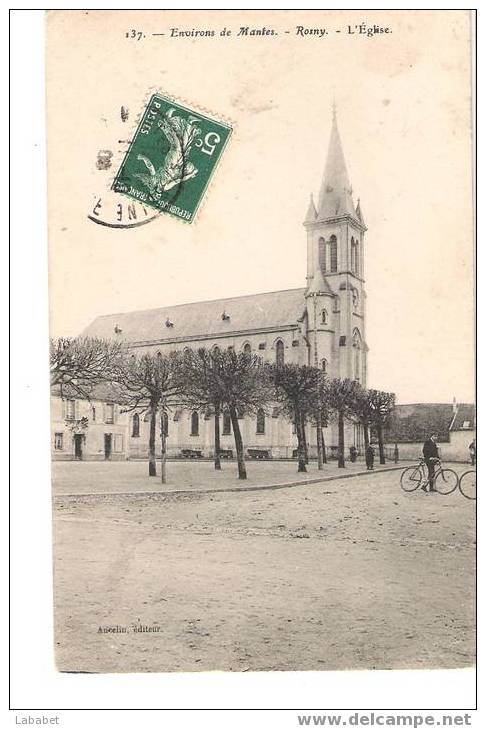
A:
266, 311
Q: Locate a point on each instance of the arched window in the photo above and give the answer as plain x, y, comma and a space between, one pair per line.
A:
260, 421
247, 348
324, 365
324, 316
194, 423
322, 255
355, 256
136, 426
226, 423
164, 422
357, 355
279, 353
334, 254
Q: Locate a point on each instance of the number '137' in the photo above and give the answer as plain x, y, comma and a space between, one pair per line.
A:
136, 34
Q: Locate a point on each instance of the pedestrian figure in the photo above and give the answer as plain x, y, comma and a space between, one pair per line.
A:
431, 455
353, 454
370, 457
472, 452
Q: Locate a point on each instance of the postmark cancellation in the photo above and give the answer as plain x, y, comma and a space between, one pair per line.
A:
171, 158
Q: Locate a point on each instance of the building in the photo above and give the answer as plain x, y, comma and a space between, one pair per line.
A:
321, 324
454, 424
93, 430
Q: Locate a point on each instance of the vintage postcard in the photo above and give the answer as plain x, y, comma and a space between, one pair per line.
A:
262, 339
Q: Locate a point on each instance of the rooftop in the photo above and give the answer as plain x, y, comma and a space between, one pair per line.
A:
271, 310
417, 421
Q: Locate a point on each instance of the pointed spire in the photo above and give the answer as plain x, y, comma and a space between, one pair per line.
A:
319, 285
359, 213
335, 197
311, 212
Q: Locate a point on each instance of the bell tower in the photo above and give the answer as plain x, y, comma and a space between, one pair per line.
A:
335, 293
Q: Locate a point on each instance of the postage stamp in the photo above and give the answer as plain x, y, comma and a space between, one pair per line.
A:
171, 158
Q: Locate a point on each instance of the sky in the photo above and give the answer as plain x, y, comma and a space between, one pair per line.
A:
403, 105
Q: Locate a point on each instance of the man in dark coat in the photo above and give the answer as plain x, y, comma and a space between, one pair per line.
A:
431, 456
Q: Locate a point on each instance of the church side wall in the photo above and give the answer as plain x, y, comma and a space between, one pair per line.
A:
262, 343
278, 437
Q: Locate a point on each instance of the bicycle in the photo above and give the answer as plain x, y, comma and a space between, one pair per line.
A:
445, 479
467, 485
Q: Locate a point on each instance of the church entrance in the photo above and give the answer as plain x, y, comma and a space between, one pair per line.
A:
78, 446
108, 446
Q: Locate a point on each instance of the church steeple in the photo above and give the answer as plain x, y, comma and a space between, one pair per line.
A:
335, 292
335, 197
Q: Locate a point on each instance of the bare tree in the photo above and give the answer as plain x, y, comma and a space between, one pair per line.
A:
200, 384
242, 385
364, 412
82, 363
382, 405
295, 387
342, 398
149, 383
317, 406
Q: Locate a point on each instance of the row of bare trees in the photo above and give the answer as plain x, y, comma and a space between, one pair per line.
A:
214, 381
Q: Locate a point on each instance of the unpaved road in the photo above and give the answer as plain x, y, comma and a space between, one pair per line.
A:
346, 574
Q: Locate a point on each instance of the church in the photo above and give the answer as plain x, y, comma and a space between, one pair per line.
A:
321, 324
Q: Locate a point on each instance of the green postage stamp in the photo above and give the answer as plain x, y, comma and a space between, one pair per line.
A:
171, 158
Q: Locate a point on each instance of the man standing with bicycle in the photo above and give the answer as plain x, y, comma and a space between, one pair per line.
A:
431, 456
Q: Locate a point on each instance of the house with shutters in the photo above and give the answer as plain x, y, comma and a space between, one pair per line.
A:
88, 430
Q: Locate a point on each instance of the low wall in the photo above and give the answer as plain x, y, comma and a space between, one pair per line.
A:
455, 451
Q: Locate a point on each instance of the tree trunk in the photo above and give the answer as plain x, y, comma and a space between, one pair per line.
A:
217, 440
153, 426
163, 457
319, 440
324, 457
341, 440
300, 442
379, 432
238, 443
366, 434
304, 439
